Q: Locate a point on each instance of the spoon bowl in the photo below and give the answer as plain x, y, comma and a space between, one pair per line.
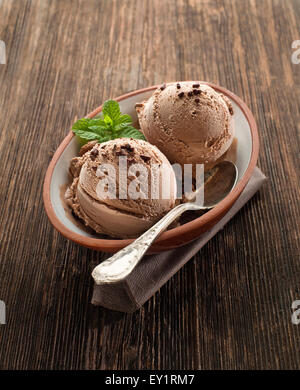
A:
222, 180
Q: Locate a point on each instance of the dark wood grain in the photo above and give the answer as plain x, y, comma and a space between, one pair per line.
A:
230, 306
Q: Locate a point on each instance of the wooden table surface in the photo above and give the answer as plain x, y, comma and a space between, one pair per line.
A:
230, 306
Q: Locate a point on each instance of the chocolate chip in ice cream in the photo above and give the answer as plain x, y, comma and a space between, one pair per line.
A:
131, 160
85, 148
163, 86
181, 94
178, 86
190, 93
145, 158
120, 152
94, 153
139, 106
196, 85
127, 147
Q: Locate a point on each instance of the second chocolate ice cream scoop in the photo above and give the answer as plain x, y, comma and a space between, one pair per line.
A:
188, 121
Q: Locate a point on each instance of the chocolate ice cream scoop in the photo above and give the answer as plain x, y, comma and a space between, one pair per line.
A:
188, 121
118, 216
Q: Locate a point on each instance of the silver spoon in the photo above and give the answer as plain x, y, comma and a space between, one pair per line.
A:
121, 264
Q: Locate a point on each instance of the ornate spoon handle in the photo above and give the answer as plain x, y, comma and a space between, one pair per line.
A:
123, 262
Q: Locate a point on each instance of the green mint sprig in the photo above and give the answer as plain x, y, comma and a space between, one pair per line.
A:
110, 125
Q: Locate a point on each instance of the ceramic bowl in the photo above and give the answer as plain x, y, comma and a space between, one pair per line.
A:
57, 176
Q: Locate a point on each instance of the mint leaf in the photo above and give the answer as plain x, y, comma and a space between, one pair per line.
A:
108, 121
130, 132
111, 125
97, 122
123, 119
87, 136
81, 124
121, 126
87, 123
97, 129
111, 109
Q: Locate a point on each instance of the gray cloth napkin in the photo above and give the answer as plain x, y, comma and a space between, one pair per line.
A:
155, 270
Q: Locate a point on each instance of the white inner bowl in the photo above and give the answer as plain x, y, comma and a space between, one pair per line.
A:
60, 174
